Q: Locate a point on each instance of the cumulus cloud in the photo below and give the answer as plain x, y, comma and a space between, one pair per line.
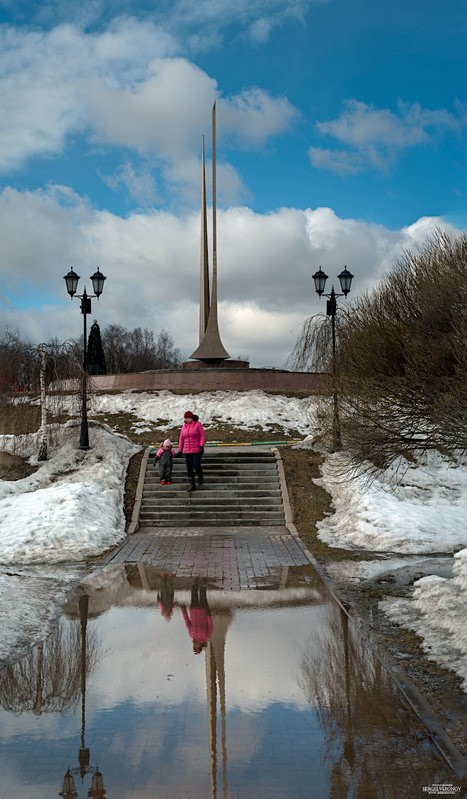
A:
151, 260
138, 183
376, 136
44, 78
126, 87
255, 18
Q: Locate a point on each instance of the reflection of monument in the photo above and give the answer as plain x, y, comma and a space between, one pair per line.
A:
215, 680
211, 351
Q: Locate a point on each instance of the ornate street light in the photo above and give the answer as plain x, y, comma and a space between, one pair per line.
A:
71, 279
345, 280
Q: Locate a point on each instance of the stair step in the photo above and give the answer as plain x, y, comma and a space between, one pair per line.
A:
174, 492
186, 522
240, 489
228, 519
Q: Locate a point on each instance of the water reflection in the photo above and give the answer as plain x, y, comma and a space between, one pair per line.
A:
283, 701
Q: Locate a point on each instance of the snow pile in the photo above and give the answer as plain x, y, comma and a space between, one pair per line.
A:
437, 613
72, 507
244, 409
420, 510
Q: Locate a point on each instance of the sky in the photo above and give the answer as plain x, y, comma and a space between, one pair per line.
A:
340, 142
71, 509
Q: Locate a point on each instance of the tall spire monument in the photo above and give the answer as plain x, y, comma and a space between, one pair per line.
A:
211, 351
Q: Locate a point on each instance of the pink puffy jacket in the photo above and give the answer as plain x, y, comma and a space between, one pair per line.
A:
192, 437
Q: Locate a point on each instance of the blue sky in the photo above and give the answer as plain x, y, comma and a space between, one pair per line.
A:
341, 140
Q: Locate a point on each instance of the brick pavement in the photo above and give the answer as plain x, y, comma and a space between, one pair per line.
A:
234, 558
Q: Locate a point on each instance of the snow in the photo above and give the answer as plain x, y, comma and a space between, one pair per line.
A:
71, 509
417, 510
246, 409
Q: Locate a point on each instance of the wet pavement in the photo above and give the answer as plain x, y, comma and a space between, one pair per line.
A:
195, 664
234, 557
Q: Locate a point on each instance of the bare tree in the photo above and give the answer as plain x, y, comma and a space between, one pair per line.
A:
114, 344
19, 366
49, 677
137, 351
401, 366
167, 355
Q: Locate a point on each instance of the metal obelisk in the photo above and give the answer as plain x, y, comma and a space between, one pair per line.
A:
211, 350
204, 258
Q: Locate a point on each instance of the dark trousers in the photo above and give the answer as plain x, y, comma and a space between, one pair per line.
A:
165, 468
193, 464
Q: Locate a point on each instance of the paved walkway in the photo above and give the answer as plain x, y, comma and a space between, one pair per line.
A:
234, 558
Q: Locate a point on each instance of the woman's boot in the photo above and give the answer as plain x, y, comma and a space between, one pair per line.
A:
192, 486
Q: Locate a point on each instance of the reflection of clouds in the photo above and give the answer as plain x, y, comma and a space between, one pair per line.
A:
262, 653
262, 656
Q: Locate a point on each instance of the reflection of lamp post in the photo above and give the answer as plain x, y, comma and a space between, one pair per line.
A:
345, 279
71, 279
349, 747
97, 789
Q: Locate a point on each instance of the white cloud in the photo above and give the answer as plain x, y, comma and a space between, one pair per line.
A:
255, 18
377, 135
44, 80
252, 117
139, 183
164, 113
151, 260
125, 87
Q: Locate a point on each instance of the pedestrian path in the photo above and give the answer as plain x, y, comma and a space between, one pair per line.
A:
234, 558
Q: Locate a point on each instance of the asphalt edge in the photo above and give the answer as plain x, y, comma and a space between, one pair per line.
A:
405, 684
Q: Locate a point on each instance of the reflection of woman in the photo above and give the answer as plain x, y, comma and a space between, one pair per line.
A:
199, 622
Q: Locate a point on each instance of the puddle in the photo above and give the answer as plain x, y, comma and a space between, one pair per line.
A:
283, 702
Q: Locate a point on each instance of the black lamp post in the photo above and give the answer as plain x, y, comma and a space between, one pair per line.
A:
345, 279
71, 280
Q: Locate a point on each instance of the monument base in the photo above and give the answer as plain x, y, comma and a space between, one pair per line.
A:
224, 364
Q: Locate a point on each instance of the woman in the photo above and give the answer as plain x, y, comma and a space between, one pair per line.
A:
191, 445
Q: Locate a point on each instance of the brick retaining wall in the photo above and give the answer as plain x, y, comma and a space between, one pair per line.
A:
221, 379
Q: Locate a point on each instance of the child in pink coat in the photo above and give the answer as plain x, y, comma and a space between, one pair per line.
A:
164, 456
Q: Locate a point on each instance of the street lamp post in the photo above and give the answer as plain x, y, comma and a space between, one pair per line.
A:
345, 279
71, 279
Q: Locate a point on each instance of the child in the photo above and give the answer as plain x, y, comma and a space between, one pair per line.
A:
164, 456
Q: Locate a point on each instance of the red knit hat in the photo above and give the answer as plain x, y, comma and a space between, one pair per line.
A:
188, 415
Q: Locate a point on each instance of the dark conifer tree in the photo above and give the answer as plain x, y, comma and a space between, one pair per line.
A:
95, 354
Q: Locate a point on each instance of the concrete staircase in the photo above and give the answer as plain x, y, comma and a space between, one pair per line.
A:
240, 489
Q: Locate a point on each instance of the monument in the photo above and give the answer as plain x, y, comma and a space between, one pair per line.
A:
210, 367
210, 351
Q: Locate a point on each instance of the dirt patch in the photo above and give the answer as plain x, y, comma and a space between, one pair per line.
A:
14, 467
